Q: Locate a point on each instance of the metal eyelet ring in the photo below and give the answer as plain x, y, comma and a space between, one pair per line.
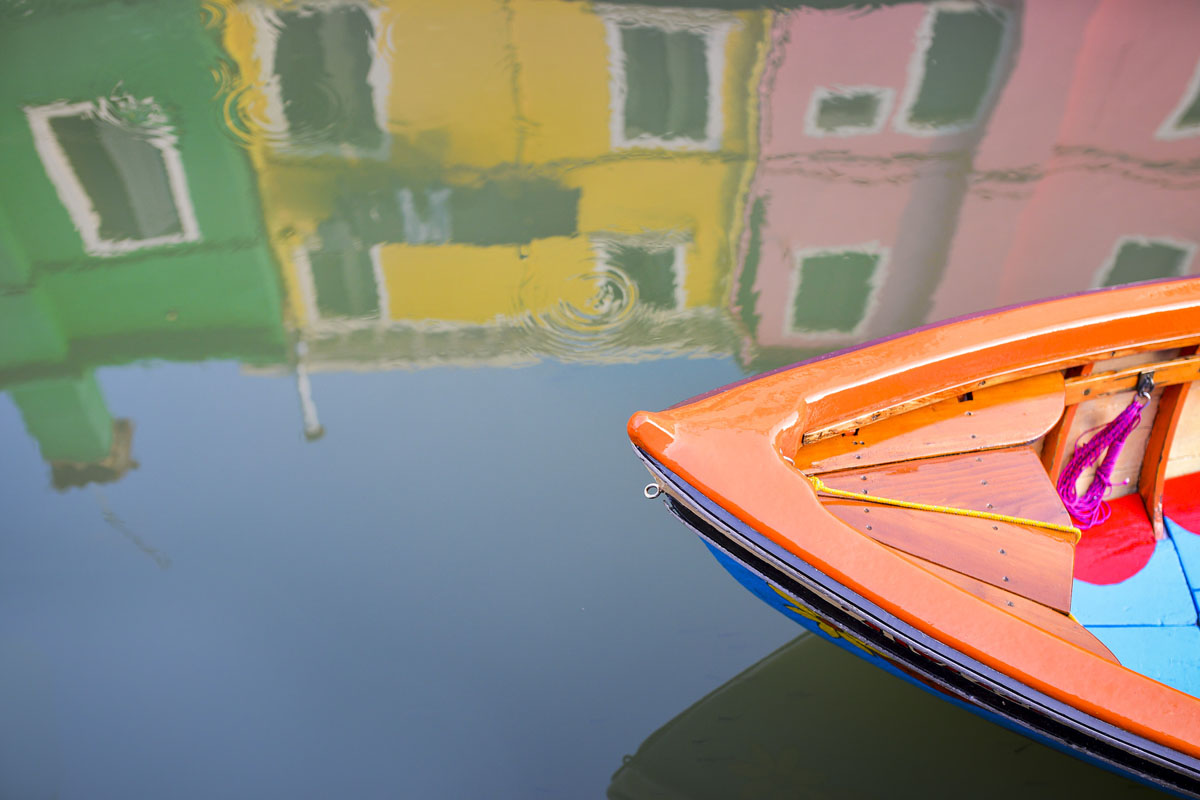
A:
652, 491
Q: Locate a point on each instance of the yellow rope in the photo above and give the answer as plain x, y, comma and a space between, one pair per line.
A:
962, 512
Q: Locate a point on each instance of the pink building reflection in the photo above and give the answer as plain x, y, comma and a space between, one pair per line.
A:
919, 162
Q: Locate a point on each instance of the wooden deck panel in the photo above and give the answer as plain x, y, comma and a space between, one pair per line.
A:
998, 416
1035, 563
1167, 372
1042, 616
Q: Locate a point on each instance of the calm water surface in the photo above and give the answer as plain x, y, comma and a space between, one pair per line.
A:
320, 324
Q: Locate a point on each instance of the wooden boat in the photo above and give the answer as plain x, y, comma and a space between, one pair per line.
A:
900, 499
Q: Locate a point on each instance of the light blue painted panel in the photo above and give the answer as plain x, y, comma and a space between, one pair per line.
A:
1158, 595
1166, 654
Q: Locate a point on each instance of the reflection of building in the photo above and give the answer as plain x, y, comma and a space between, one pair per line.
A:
128, 227
864, 161
554, 162
983, 154
1098, 187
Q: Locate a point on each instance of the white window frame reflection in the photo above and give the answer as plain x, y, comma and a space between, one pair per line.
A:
77, 201
267, 26
885, 96
604, 245
307, 286
1187, 248
712, 26
1171, 128
869, 308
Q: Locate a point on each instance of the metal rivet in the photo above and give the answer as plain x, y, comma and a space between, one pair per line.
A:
978, 458
869, 528
1002, 552
1010, 602
989, 505
863, 478
973, 436
996, 528
1006, 579
859, 455
866, 511
970, 413
984, 482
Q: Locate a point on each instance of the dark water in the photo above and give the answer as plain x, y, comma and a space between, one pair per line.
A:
319, 326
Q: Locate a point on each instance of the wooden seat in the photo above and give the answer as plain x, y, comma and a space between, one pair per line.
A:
998, 416
1035, 563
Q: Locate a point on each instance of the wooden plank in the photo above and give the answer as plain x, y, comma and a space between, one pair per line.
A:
1042, 616
997, 416
1166, 373
1056, 441
1033, 562
996, 379
1158, 452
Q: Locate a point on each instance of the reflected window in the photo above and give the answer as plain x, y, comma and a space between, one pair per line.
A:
955, 74
833, 289
1142, 259
344, 284
848, 111
1184, 120
655, 267
115, 166
340, 279
665, 77
327, 91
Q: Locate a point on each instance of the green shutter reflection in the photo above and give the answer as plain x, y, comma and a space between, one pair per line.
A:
122, 174
840, 111
652, 270
513, 212
323, 59
833, 291
1144, 261
958, 67
343, 275
667, 83
345, 284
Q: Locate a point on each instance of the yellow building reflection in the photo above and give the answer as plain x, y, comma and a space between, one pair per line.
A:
499, 182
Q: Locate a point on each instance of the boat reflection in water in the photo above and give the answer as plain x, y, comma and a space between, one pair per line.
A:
812, 720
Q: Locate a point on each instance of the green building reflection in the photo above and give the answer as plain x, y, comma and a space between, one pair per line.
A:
129, 223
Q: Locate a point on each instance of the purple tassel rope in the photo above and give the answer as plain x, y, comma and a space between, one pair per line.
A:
1088, 510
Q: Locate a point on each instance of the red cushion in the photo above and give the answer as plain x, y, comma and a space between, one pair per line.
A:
1119, 547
